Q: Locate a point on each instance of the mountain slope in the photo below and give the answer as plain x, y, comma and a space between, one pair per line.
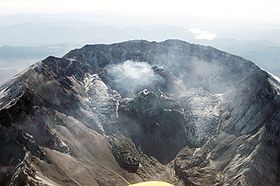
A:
138, 110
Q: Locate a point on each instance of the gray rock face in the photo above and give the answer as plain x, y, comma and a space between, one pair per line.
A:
125, 152
138, 110
153, 120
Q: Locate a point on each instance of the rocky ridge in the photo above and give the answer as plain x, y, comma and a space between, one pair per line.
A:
201, 117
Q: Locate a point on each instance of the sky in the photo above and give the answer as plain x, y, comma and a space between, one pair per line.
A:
251, 10
249, 28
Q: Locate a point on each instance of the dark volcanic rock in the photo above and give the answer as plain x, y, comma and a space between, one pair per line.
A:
204, 117
125, 152
156, 124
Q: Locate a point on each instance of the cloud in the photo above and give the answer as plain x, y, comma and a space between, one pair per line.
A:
202, 35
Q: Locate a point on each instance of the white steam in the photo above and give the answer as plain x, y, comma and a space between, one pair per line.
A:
209, 75
130, 77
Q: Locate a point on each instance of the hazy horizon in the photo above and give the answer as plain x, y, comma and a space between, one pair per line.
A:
252, 10
249, 29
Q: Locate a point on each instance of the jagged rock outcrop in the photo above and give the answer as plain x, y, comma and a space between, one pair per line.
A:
125, 152
153, 120
138, 110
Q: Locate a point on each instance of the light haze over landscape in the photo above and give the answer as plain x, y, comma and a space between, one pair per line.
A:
34, 29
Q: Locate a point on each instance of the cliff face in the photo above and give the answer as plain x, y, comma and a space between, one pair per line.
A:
138, 110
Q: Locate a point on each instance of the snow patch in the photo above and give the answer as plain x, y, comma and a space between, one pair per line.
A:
204, 108
88, 81
202, 35
3, 93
